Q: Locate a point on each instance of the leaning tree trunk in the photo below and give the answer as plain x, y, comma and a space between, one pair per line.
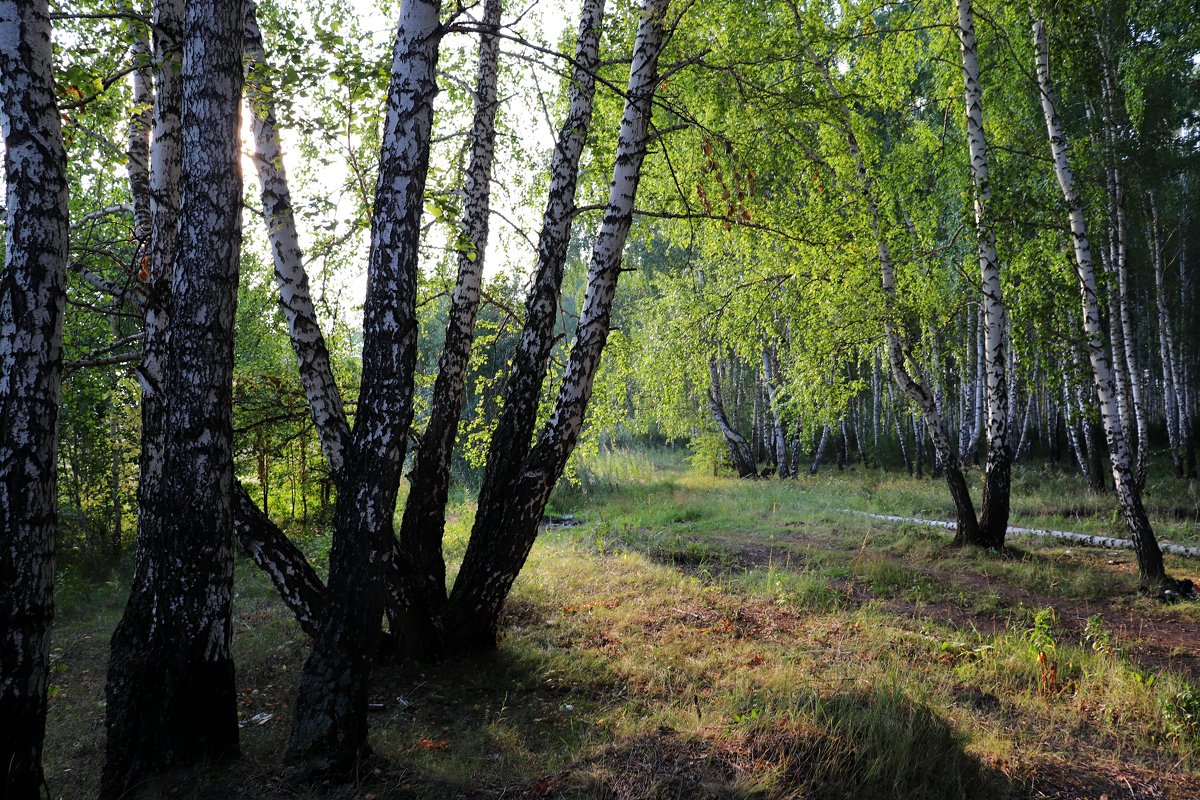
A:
32, 297
819, 450
993, 517
171, 695
330, 719
293, 577
495, 555
424, 521
1150, 563
740, 451
291, 574
510, 440
295, 299
916, 387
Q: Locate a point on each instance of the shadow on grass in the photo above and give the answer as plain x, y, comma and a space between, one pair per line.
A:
854, 744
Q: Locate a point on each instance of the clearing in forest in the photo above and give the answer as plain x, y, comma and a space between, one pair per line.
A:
682, 636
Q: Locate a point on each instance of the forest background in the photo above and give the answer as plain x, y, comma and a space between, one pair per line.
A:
829, 258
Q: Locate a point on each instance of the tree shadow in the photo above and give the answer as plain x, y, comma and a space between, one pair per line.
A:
847, 745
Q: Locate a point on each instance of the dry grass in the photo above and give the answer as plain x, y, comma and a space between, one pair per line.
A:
700, 637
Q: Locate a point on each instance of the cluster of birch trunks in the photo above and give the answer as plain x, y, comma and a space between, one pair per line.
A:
170, 692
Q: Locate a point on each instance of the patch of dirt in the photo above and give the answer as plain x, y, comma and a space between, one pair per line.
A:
660, 765
1061, 781
1156, 641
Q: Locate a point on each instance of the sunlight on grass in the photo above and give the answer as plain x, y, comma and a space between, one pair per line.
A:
689, 636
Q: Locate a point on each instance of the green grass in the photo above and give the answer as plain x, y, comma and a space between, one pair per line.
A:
704, 637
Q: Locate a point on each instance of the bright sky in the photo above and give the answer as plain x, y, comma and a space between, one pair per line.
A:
541, 21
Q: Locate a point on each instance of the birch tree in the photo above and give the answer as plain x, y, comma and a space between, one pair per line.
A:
506, 526
171, 696
424, 520
1150, 563
32, 295
912, 382
993, 518
330, 718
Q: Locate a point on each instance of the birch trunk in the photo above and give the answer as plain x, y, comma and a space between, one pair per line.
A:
778, 436
155, 271
155, 274
291, 574
979, 385
1166, 344
993, 517
1183, 369
819, 452
330, 718
32, 297
171, 696
1132, 374
424, 518
137, 146
293, 577
916, 387
295, 299
1109, 257
966, 435
1073, 440
496, 553
514, 429
1150, 563
740, 452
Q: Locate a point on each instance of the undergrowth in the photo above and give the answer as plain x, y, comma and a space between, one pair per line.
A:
686, 636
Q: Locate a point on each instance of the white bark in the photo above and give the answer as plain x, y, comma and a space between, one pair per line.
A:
32, 297
171, 670
478, 591
137, 147
1166, 342
329, 721
1149, 555
770, 361
740, 451
1086, 540
994, 313
304, 330
566, 421
522, 392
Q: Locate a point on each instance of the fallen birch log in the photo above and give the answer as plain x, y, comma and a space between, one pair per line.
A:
1079, 538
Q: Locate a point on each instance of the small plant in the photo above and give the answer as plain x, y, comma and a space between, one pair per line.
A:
1097, 635
1181, 715
1040, 637
1144, 678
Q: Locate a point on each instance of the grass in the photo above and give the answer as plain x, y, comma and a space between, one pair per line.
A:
702, 637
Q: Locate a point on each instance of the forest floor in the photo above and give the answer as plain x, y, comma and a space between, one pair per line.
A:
683, 636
